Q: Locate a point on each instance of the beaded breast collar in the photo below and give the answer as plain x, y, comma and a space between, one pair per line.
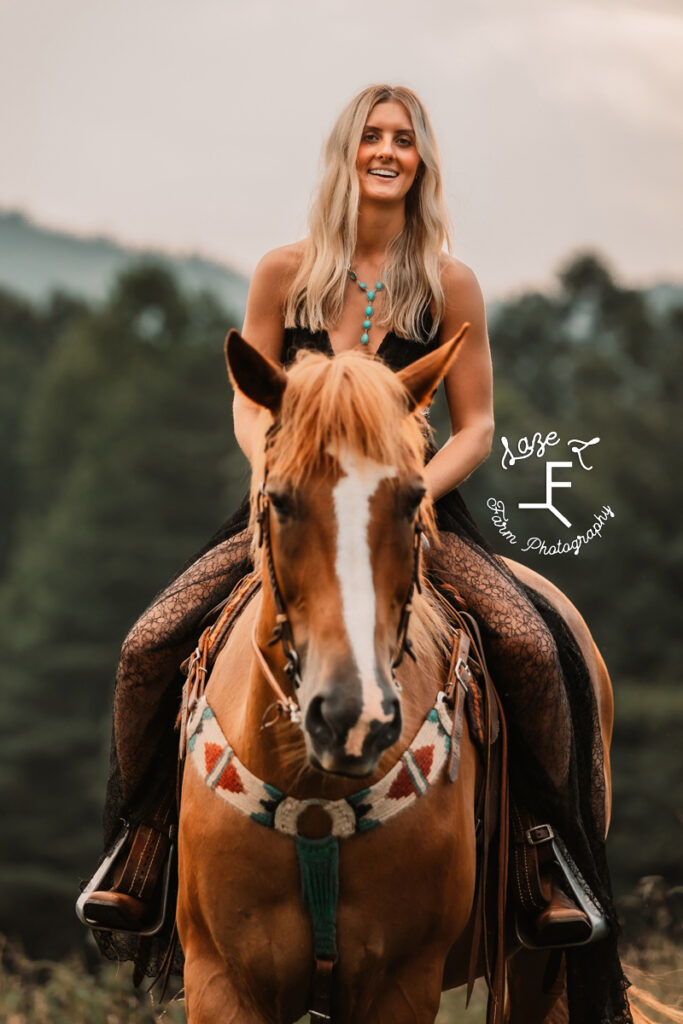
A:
412, 775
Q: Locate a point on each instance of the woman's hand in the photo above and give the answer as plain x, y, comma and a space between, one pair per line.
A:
468, 384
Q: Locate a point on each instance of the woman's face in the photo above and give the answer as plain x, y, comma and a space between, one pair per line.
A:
387, 159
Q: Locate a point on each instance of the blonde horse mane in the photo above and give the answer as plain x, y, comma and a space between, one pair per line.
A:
356, 402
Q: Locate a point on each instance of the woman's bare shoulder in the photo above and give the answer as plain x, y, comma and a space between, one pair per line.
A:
268, 289
464, 300
459, 281
279, 266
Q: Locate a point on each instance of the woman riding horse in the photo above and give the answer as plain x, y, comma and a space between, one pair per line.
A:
372, 275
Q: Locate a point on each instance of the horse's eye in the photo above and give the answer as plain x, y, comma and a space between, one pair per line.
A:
412, 498
283, 502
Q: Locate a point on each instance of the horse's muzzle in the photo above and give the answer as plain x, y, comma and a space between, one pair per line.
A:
329, 724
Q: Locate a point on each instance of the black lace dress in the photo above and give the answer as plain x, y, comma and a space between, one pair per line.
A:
533, 657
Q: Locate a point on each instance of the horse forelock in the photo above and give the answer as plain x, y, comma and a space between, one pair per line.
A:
350, 402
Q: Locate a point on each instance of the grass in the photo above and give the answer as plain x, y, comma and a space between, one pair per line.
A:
51, 992
47, 992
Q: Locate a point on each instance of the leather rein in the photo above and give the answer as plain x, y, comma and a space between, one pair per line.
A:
286, 706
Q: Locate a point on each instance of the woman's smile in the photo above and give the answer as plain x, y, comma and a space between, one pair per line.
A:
387, 159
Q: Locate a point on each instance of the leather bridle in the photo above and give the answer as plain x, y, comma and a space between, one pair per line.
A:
286, 706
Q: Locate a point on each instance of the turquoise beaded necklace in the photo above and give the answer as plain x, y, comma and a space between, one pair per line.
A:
369, 309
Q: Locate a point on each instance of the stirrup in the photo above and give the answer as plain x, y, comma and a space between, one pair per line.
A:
97, 882
580, 893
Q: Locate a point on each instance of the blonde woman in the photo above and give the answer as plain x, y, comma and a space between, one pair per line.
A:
373, 274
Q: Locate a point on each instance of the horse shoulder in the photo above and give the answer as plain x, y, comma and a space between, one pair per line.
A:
229, 677
595, 664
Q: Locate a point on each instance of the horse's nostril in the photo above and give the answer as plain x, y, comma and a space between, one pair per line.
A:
331, 716
316, 723
388, 732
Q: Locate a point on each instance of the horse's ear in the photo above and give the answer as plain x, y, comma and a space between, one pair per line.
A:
256, 376
422, 377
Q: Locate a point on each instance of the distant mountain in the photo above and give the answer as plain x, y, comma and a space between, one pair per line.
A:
35, 261
663, 297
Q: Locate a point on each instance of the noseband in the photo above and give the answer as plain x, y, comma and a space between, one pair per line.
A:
285, 706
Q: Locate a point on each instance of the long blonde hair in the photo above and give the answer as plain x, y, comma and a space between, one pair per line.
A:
412, 273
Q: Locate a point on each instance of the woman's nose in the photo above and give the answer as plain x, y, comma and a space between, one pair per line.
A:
384, 146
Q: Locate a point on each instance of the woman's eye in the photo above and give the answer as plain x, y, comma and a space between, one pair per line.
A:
404, 141
369, 137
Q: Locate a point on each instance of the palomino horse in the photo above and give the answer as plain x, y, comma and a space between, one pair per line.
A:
342, 499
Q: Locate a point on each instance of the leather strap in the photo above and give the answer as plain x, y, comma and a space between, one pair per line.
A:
198, 666
497, 817
165, 969
320, 1010
282, 630
283, 705
147, 853
488, 938
532, 848
457, 684
200, 663
496, 1008
237, 600
403, 643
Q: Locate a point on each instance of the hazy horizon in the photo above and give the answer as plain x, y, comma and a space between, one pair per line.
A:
196, 128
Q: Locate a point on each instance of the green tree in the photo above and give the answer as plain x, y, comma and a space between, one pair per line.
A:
593, 360
27, 335
128, 469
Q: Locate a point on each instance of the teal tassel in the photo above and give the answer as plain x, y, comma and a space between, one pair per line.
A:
319, 866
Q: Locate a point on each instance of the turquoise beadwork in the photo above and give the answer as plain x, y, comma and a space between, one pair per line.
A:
369, 309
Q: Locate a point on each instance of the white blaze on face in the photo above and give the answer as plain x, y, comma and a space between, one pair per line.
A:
352, 497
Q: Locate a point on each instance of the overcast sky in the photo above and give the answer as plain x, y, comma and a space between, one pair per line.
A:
196, 125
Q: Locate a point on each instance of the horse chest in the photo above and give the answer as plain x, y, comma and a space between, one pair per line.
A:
408, 882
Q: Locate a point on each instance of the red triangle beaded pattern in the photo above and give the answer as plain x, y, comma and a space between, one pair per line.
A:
230, 778
212, 752
403, 784
424, 758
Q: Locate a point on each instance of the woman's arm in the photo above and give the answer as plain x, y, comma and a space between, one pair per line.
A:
468, 384
264, 328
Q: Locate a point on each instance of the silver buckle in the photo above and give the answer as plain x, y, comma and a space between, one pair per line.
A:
539, 834
463, 667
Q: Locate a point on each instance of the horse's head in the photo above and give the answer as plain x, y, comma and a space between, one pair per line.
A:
342, 498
